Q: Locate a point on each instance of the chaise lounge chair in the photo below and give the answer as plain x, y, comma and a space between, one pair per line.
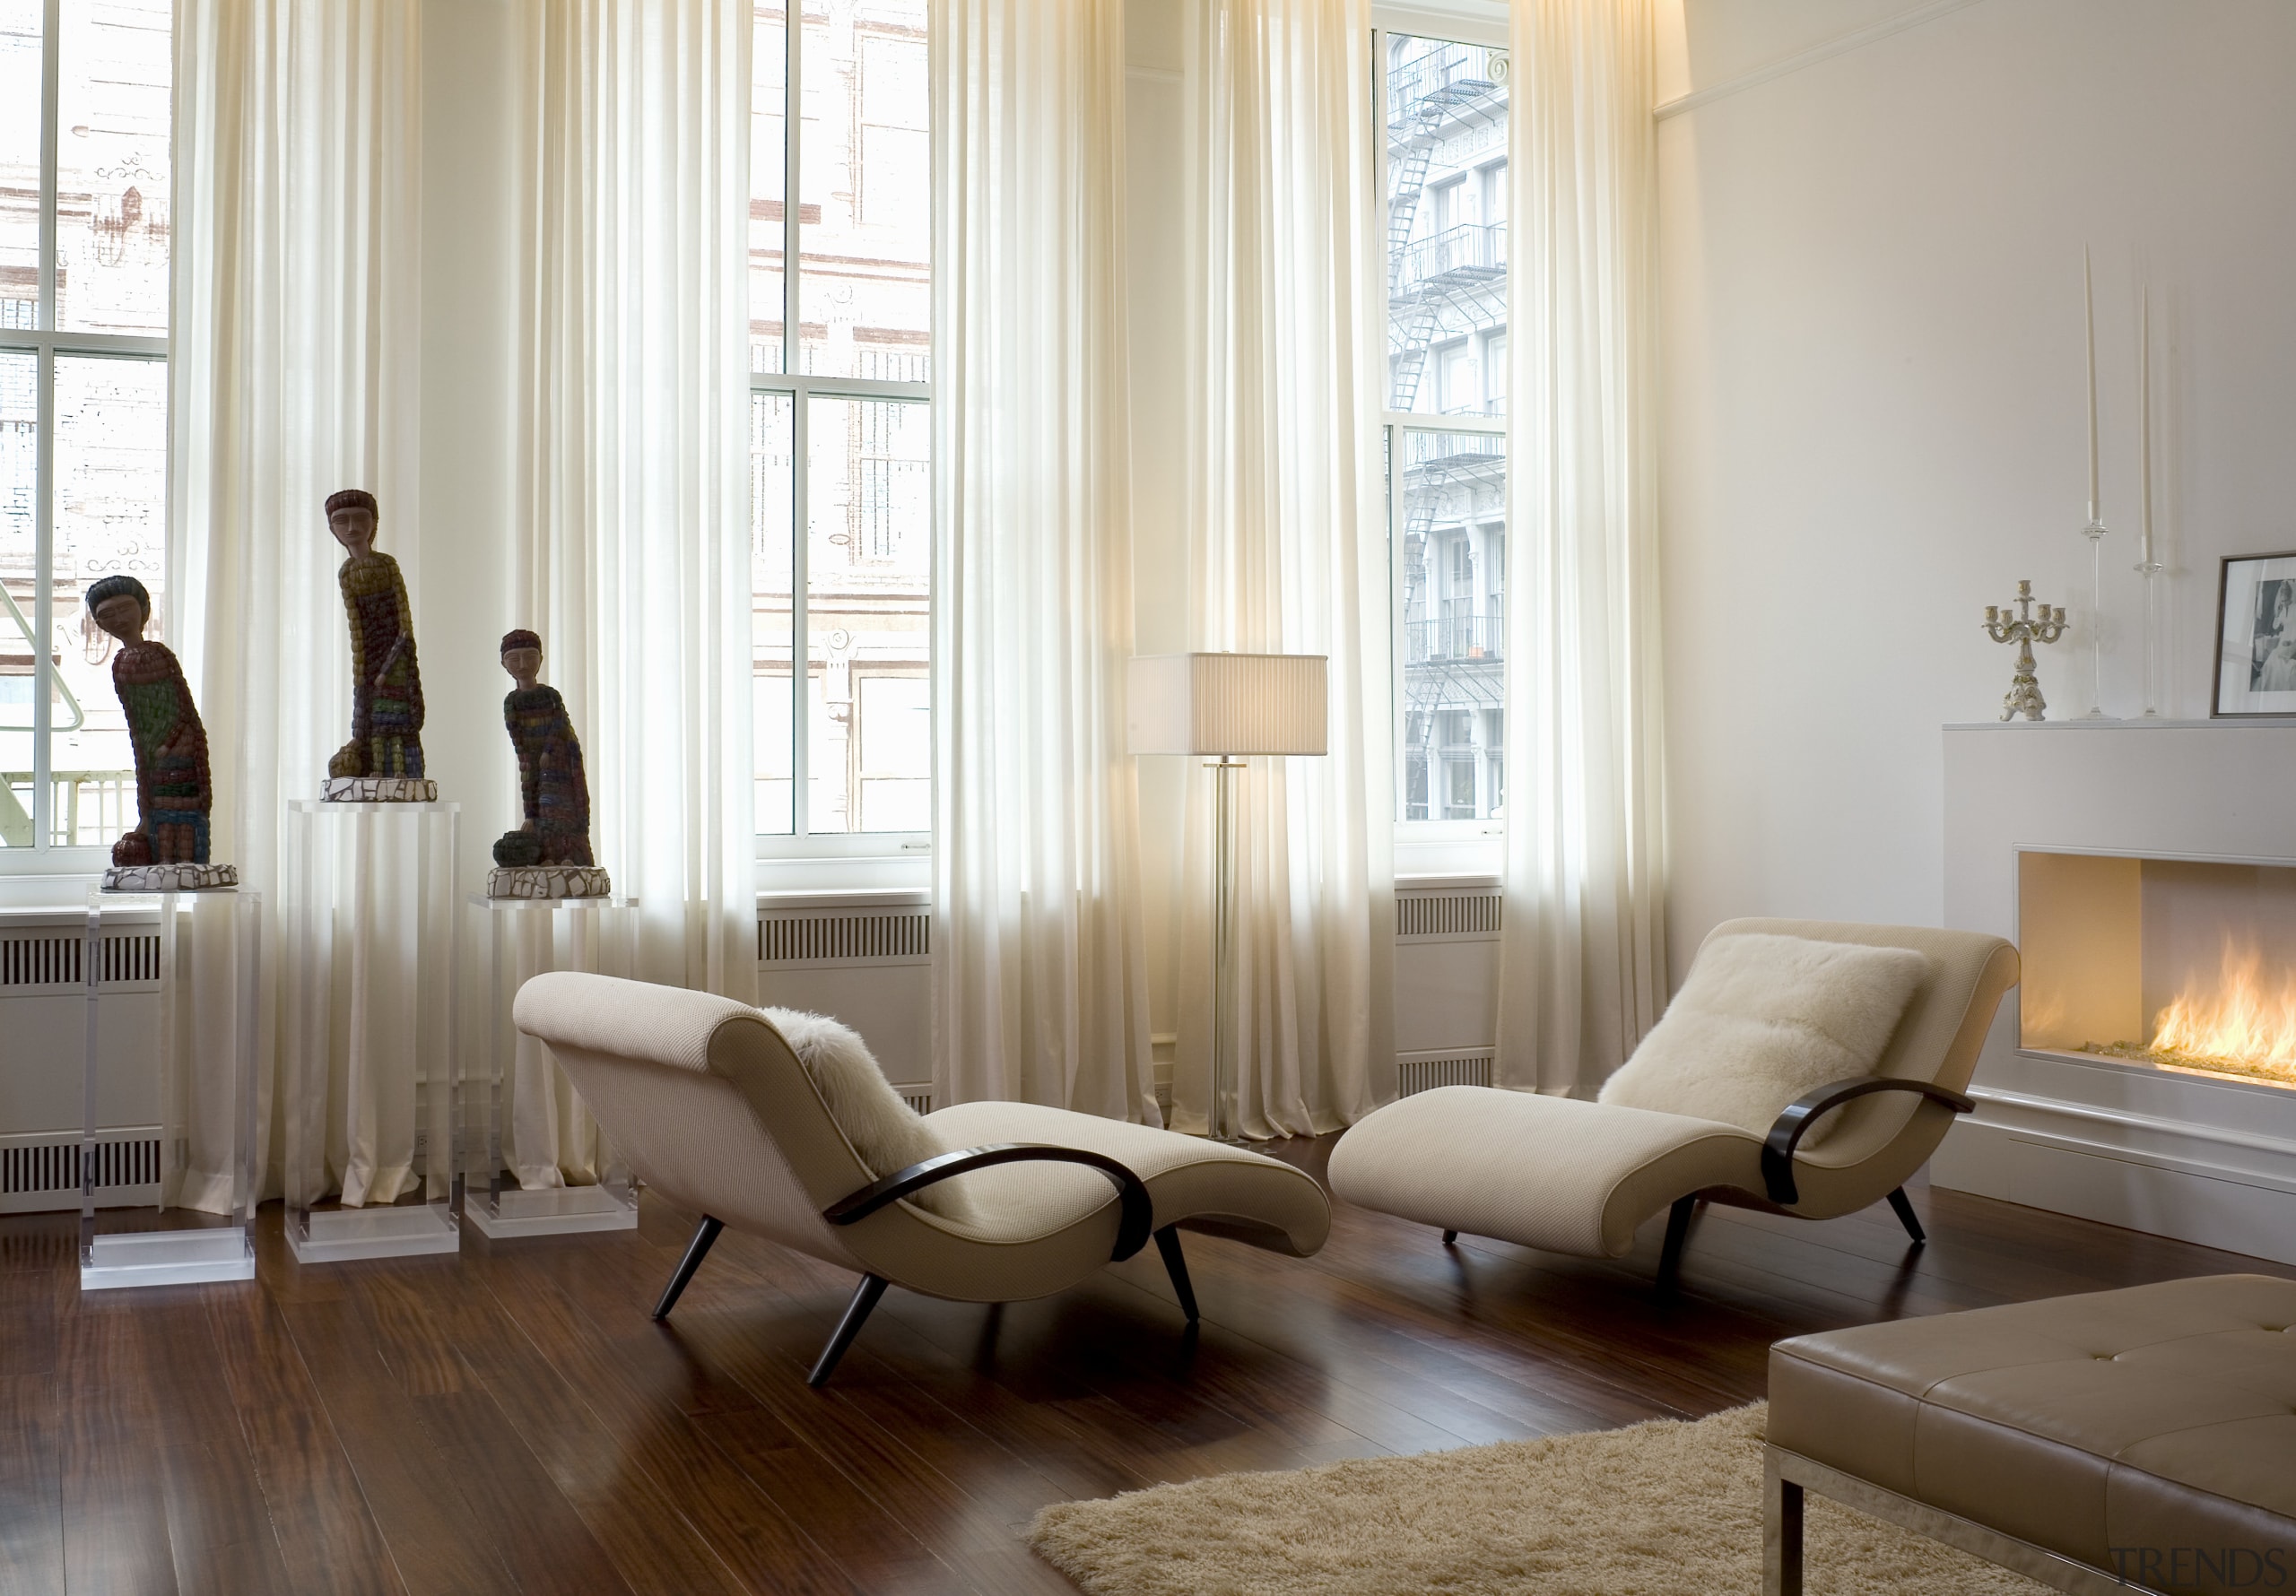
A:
717, 1113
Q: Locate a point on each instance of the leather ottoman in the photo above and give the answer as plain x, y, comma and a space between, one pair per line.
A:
2142, 1439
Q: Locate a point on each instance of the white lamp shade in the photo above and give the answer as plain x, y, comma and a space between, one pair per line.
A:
1228, 703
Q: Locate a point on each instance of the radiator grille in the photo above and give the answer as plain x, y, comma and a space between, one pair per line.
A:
55, 1165
1447, 914
845, 938
55, 961
919, 1099
1425, 1074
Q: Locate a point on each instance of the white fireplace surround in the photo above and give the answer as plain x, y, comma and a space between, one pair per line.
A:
2202, 1158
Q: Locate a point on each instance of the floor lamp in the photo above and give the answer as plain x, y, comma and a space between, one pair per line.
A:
1229, 706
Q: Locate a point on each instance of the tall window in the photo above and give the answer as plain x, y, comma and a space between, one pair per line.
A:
839, 362
1446, 118
83, 395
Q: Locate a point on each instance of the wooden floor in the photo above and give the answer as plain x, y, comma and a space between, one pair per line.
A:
509, 1420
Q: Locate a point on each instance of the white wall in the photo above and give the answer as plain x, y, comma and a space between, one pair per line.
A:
1872, 422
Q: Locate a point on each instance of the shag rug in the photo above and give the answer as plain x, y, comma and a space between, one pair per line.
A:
1666, 1508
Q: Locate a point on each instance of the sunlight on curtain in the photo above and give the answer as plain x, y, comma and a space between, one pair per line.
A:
1583, 954
1040, 968
1288, 549
294, 373
631, 534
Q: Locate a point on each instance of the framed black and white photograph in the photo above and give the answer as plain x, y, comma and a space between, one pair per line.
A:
2256, 630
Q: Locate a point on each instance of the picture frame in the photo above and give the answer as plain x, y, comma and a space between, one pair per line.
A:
2256, 637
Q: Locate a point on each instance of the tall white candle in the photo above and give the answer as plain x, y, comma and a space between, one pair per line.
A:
2089, 315
2144, 429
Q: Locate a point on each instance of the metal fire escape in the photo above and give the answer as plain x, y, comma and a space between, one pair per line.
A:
1454, 282
1442, 286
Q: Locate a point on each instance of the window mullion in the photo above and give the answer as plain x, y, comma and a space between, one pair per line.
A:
801, 645
46, 319
801, 698
51, 69
44, 601
793, 126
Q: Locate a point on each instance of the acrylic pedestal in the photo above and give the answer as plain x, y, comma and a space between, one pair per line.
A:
525, 937
367, 1051
209, 954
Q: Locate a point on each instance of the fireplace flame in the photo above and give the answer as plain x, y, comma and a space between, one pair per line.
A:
2240, 1021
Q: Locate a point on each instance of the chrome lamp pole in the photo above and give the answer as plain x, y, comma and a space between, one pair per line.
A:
1227, 707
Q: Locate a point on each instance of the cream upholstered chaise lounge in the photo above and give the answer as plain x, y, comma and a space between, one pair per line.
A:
1567, 1176
715, 1112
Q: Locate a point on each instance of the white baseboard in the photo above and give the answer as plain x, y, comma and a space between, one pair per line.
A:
2239, 1197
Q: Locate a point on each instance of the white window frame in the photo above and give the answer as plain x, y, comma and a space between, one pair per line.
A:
1445, 843
801, 389
45, 857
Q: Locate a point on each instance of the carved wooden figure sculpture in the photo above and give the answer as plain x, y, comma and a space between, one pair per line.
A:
387, 683
174, 791
548, 855
552, 788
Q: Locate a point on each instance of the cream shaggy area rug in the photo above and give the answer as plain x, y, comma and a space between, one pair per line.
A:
1667, 1508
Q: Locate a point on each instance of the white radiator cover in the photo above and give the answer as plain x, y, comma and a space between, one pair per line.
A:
1447, 981
864, 958
43, 1016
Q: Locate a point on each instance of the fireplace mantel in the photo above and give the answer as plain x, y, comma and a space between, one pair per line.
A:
2199, 1158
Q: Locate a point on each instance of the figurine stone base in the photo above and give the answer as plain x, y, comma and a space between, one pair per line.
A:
549, 880
379, 789
170, 877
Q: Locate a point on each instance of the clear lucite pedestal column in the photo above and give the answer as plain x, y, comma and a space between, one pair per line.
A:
210, 958
525, 937
368, 1050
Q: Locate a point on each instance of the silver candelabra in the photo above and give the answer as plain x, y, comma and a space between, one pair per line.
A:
2025, 694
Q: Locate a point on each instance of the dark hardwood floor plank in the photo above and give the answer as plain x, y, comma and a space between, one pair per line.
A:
114, 1499
875, 1549
31, 1486
633, 1384
395, 1294
971, 1525
767, 1352
219, 1521
425, 1518
328, 1539
633, 1518
536, 1533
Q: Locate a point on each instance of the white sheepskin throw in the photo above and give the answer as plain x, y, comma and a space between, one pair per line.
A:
1763, 1020
887, 1133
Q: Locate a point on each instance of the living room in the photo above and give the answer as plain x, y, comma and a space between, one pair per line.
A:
1583, 696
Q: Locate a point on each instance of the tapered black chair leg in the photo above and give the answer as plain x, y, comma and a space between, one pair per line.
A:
1168, 1243
1670, 1260
696, 1250
857, 1313
1449, 1237
1902, 1206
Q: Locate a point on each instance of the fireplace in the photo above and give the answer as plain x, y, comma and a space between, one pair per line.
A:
2143, 1072
2163, 963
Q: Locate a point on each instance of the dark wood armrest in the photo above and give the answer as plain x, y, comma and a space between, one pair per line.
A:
1132, 1228
1799, 1115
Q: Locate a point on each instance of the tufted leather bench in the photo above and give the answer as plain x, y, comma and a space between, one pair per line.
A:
2142, 1439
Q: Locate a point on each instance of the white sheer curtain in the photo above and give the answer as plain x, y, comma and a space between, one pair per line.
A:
1288, 549
1583, 954
1039, 971
294, 373
629, 543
